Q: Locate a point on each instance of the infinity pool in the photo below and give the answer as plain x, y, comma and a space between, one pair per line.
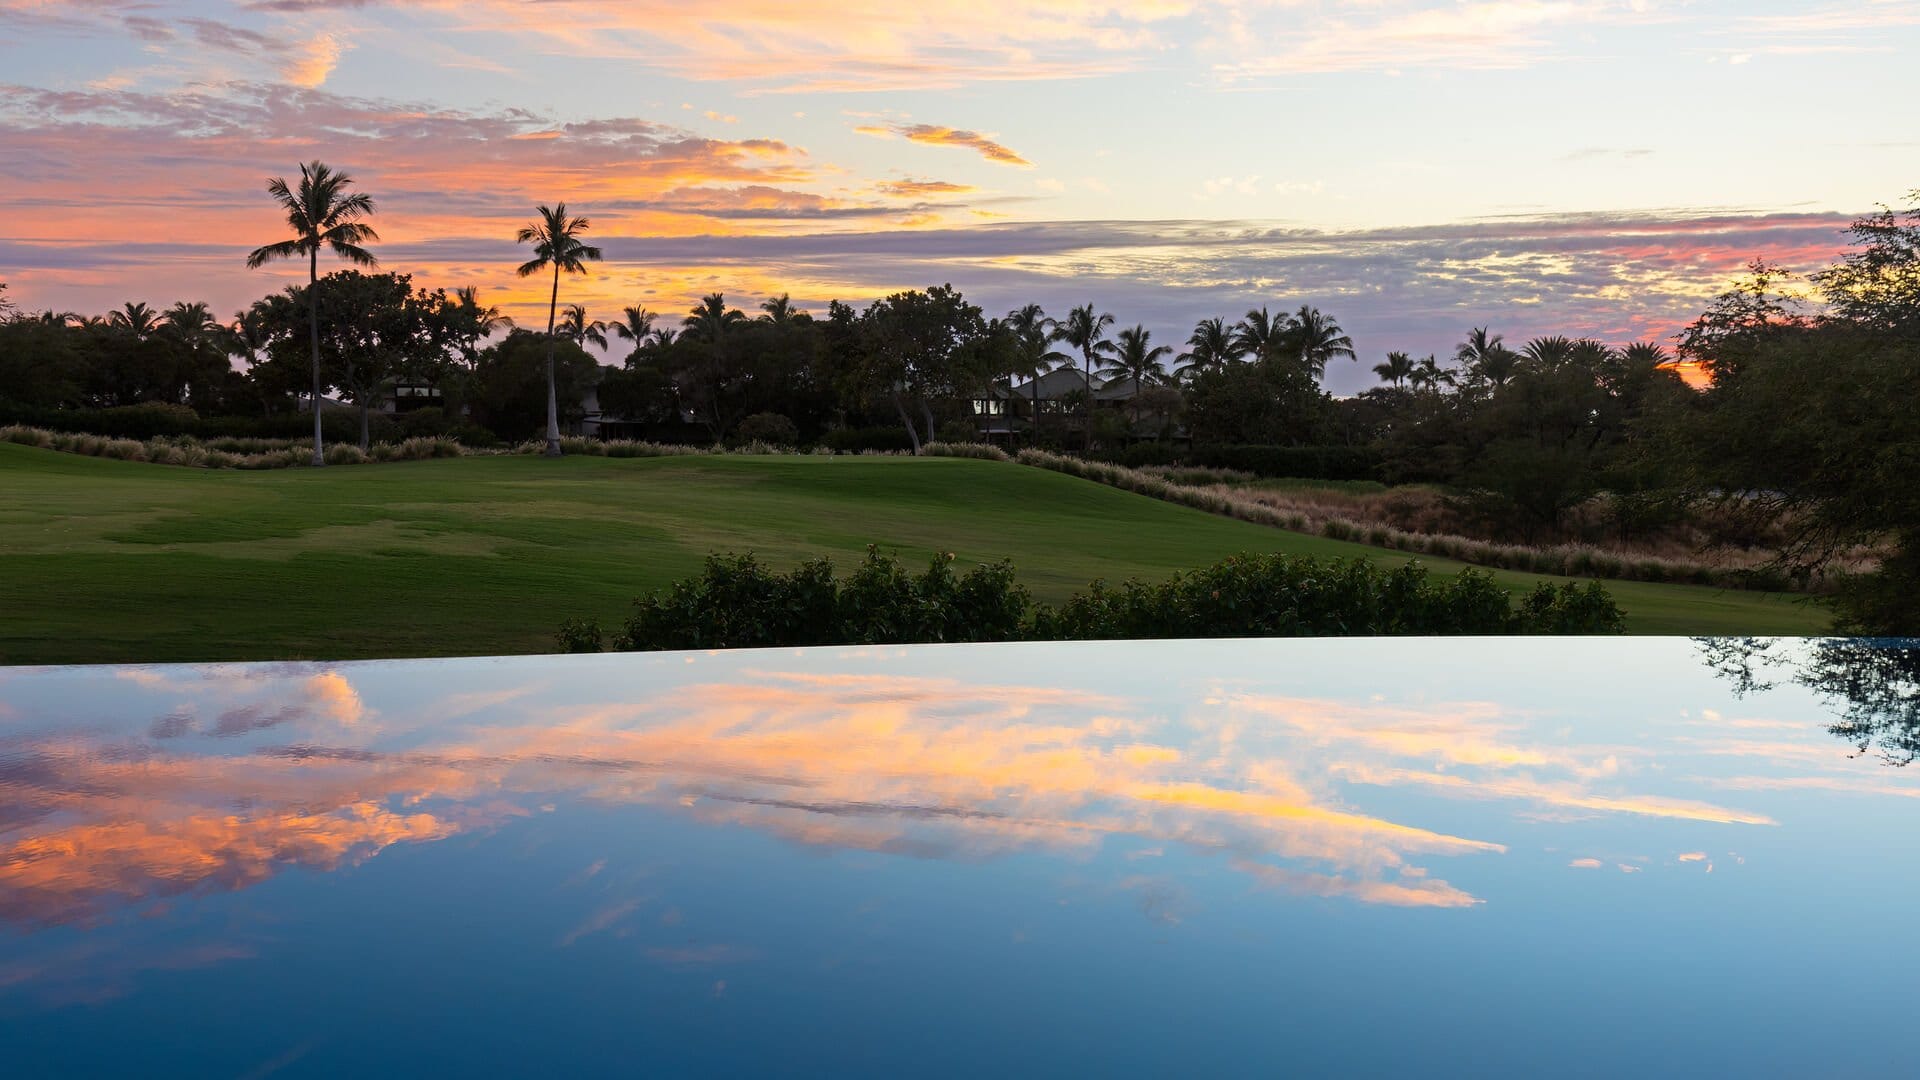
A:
1356, 857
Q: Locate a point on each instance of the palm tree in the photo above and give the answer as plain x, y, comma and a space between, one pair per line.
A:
575, 327
1547, 353
661, 337
779, 311
192, 323
1262, 336
321, 214
556, 243
475, 323
635, 324
1428, 374
1086, 331
1318, 339
247, 334
1213, 345
1645, 355
1484, 357
1397, 370
712, 318
1032, 332
1138, 359
135, 318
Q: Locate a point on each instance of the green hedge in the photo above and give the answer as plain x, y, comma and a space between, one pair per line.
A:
854, 440
738, 603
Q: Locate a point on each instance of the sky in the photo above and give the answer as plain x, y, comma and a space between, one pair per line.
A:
1413, 167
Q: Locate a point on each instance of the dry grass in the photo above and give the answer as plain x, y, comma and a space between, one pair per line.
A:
1344, 515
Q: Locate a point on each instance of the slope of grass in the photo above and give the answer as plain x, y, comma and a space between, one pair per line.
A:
114, 561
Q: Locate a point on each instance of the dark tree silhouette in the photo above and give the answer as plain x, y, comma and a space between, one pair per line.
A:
556, 242
320, 213
1873, 682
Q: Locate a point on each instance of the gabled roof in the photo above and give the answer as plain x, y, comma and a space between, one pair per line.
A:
1057, 383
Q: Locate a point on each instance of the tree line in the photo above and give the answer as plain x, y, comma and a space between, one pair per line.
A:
1805, 428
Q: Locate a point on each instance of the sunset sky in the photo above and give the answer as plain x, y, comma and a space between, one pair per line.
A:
1414, 167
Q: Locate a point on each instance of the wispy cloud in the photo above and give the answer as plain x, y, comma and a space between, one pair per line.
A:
941, 135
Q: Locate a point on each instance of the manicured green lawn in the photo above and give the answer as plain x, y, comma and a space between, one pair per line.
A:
111, 561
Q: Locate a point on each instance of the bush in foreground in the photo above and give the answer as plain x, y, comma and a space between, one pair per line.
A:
738, 603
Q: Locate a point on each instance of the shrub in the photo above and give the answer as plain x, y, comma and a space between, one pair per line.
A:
579, 636
768, 427
858, 440
738, 603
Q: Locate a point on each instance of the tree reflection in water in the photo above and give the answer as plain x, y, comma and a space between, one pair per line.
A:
1875, 682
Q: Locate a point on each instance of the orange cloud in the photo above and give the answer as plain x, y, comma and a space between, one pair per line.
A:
917, 188
920, 766
940, 135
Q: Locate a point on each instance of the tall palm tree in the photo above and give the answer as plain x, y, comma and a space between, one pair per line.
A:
712, 318
135, 318
1263, 336
1397, 370
575, 327
320, 213
1318, 339
1213, 345
556, 242
1485, 357
1135, 357
1032, 334
1086, 331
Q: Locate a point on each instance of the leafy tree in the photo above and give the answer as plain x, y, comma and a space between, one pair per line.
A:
556, 243
1272, 402
1876, 286
320, 213
920, 348
512, 373
1741, 321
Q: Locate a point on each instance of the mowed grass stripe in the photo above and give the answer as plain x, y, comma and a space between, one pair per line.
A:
113, 561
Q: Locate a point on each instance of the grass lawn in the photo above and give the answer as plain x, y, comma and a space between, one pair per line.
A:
113, 561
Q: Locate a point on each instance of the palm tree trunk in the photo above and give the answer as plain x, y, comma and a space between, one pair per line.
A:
1034, 385
313, 326
1088, 448
553, 406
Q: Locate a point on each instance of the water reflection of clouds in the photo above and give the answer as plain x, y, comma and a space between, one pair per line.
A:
1276, 786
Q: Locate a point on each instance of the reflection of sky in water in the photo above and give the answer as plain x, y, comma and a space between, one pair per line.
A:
1512, 857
